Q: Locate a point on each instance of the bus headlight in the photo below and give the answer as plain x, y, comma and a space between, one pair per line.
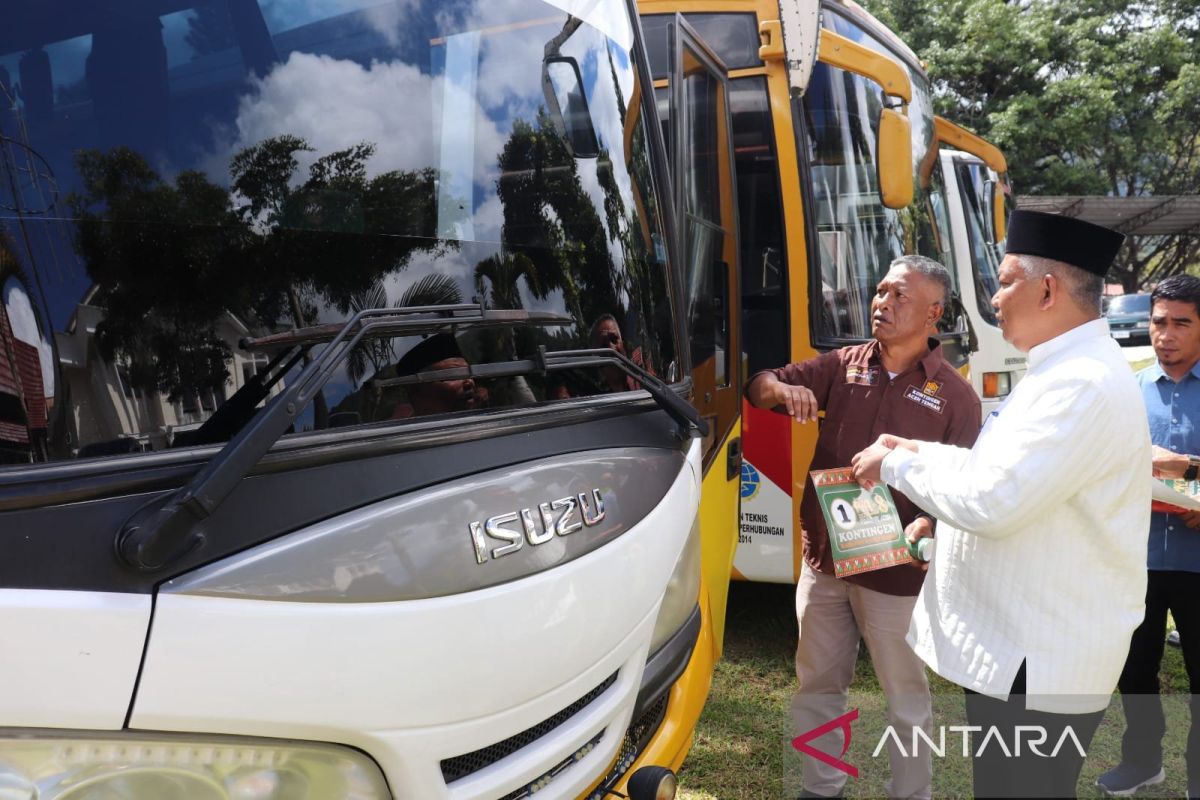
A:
197, 768
682, 591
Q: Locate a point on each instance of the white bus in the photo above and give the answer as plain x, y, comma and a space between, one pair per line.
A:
343, 405
977, 197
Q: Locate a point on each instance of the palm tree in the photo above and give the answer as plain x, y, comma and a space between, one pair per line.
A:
376, 352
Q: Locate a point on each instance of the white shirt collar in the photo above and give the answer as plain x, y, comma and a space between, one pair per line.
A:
1093, 329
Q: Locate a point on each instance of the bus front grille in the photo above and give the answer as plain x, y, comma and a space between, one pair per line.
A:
636, 738
459, 767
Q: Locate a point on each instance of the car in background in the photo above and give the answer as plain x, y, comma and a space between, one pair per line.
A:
1128, 318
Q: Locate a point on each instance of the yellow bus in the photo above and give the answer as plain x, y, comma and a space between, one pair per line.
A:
833, 138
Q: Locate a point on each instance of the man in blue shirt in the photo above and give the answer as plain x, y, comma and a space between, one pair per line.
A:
1171, 390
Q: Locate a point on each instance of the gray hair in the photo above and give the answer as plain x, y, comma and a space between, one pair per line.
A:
1085, 288
930, 269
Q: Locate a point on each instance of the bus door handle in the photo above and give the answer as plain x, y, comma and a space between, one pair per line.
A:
733, 467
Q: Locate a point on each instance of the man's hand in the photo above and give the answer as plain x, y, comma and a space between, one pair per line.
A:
867, 463
767, 391
892, 442
1191, 519
919, 528
1168, 464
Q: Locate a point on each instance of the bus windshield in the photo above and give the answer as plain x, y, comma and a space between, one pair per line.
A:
986, 254
857, 237
179, 179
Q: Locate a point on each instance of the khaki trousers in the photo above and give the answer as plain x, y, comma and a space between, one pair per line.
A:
832, 615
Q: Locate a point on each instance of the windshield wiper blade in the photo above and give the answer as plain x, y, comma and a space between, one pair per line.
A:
547, 361
163, 532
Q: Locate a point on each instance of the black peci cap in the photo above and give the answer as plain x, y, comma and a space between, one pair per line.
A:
436, 348
1081, 244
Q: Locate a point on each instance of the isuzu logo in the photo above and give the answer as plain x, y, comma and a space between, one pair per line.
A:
560, 517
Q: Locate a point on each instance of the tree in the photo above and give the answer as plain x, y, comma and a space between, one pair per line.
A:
1084, 97
551, 221
172, 258
166, 257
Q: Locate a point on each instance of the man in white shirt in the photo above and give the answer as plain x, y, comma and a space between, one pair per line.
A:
1038, 580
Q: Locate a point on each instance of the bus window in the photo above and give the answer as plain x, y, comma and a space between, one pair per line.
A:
732, 37
986, 254
857, 237
706, 280
760, 226
195, 182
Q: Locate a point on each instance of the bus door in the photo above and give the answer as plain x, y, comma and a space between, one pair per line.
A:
844, 223
699, 139
748, 42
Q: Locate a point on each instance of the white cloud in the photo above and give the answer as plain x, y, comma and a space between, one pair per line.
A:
334, 104
489, 219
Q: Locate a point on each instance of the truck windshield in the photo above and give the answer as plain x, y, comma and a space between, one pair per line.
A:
986, 253
178, 179
1129, 304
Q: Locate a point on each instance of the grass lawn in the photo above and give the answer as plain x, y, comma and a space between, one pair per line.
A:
742, 750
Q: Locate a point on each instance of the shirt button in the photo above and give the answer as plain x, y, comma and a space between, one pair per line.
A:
1174, 422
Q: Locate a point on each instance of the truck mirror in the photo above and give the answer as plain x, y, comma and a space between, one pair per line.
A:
1000, 229
894, 159
563, 87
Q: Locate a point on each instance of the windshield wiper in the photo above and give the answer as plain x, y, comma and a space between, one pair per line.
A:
546, 361
160, 533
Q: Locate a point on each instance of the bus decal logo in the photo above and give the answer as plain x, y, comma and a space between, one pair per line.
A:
751, 480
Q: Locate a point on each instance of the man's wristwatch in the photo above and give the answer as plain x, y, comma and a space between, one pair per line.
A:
1193, 468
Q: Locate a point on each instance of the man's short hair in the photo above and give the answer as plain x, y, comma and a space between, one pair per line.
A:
930, 269
1085, 288
1184, 288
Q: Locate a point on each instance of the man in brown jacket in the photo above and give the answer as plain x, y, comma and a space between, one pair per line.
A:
899, 384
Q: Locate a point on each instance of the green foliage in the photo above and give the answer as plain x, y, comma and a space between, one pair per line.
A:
173, 258
163, 247
1083, 96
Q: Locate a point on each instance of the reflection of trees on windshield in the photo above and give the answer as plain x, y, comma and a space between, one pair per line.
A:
556, 239
333, 236
552, 221
173, 257
167, 259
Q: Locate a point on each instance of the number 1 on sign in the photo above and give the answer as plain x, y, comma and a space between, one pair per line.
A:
843, 514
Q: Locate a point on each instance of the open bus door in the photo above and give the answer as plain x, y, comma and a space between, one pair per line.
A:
699, 139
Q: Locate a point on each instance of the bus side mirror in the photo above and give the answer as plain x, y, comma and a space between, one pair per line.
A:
1000, 229
563, 89
894, 159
